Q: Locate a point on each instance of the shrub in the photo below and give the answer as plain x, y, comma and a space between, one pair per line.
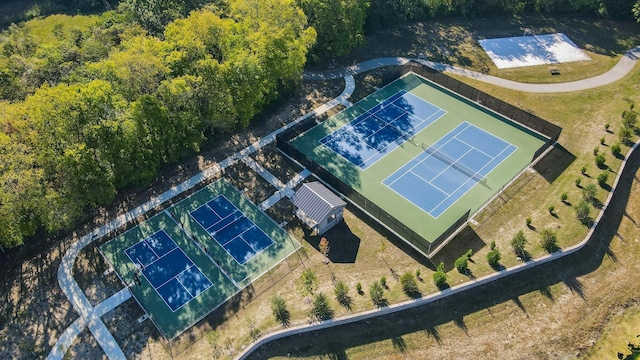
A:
616, 149
564, 197
321, 308
625, 135
583, 210
602, 140
518, 243
583, 170
607, 126
548, 240
409, 284
307, 283
596, 151
462, 264
418, 273
603, 177
376, 291
439, 277
492, 245
528, 221
578, 181
279, 310
341, 290
383, 281
493, 257
359, 288
551, 208
589, 192
600, 160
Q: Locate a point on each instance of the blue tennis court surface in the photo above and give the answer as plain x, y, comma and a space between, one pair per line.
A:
236, 233
440, 175
171, 273
377, 132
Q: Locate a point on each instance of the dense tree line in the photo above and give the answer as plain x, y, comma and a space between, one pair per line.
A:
95, 111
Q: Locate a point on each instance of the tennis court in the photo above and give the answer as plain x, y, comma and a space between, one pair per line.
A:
381, 129
189, 259
445, 171
172, 274
236, 233
439, 156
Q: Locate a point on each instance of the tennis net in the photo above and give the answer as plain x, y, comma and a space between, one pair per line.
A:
454, 164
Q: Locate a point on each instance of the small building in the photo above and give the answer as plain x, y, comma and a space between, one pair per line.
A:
318, 207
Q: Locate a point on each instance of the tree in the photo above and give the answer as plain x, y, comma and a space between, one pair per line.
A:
409, 284
462, 264
518, 243
616, 149
600, 160
341, 290
324, 247
603, 177
307, 283
376, 291
321, 309
493, 256
625, 134
589, 192
279, 310
548, 240
339, 25
629, 119
583, 210
440, 277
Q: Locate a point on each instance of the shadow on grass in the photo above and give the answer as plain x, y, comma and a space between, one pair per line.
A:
575, 286
459, 245
433, 331
554, 163
516, 300
399, 344
343, 243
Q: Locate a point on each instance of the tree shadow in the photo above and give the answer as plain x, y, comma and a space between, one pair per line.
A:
459, 321
460, 244
546, 292
575, 286
399, 343
433, 331
516, 300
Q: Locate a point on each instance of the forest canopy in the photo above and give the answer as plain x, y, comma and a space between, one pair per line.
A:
101, 104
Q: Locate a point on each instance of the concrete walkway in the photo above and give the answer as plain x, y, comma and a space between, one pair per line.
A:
621, 69
90, 316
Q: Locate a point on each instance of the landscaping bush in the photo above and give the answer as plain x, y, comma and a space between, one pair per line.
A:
616, 149
601, 160
321, 308
583, 211
518, 243
603, 177
564, 197
280, 311
376, 291
548, 240
341, 290
409, 285
440, 277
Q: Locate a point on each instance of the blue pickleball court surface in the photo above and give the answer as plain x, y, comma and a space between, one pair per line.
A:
436, 178
230, 228
168, 269
381, 129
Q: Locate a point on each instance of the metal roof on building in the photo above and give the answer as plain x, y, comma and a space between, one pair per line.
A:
316, 201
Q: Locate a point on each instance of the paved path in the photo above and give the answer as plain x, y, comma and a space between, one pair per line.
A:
90, 316
622, 68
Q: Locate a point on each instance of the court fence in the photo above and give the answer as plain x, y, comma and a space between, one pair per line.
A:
484, 102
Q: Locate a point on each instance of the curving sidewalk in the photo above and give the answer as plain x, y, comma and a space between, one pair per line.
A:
621, 69
91, 316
